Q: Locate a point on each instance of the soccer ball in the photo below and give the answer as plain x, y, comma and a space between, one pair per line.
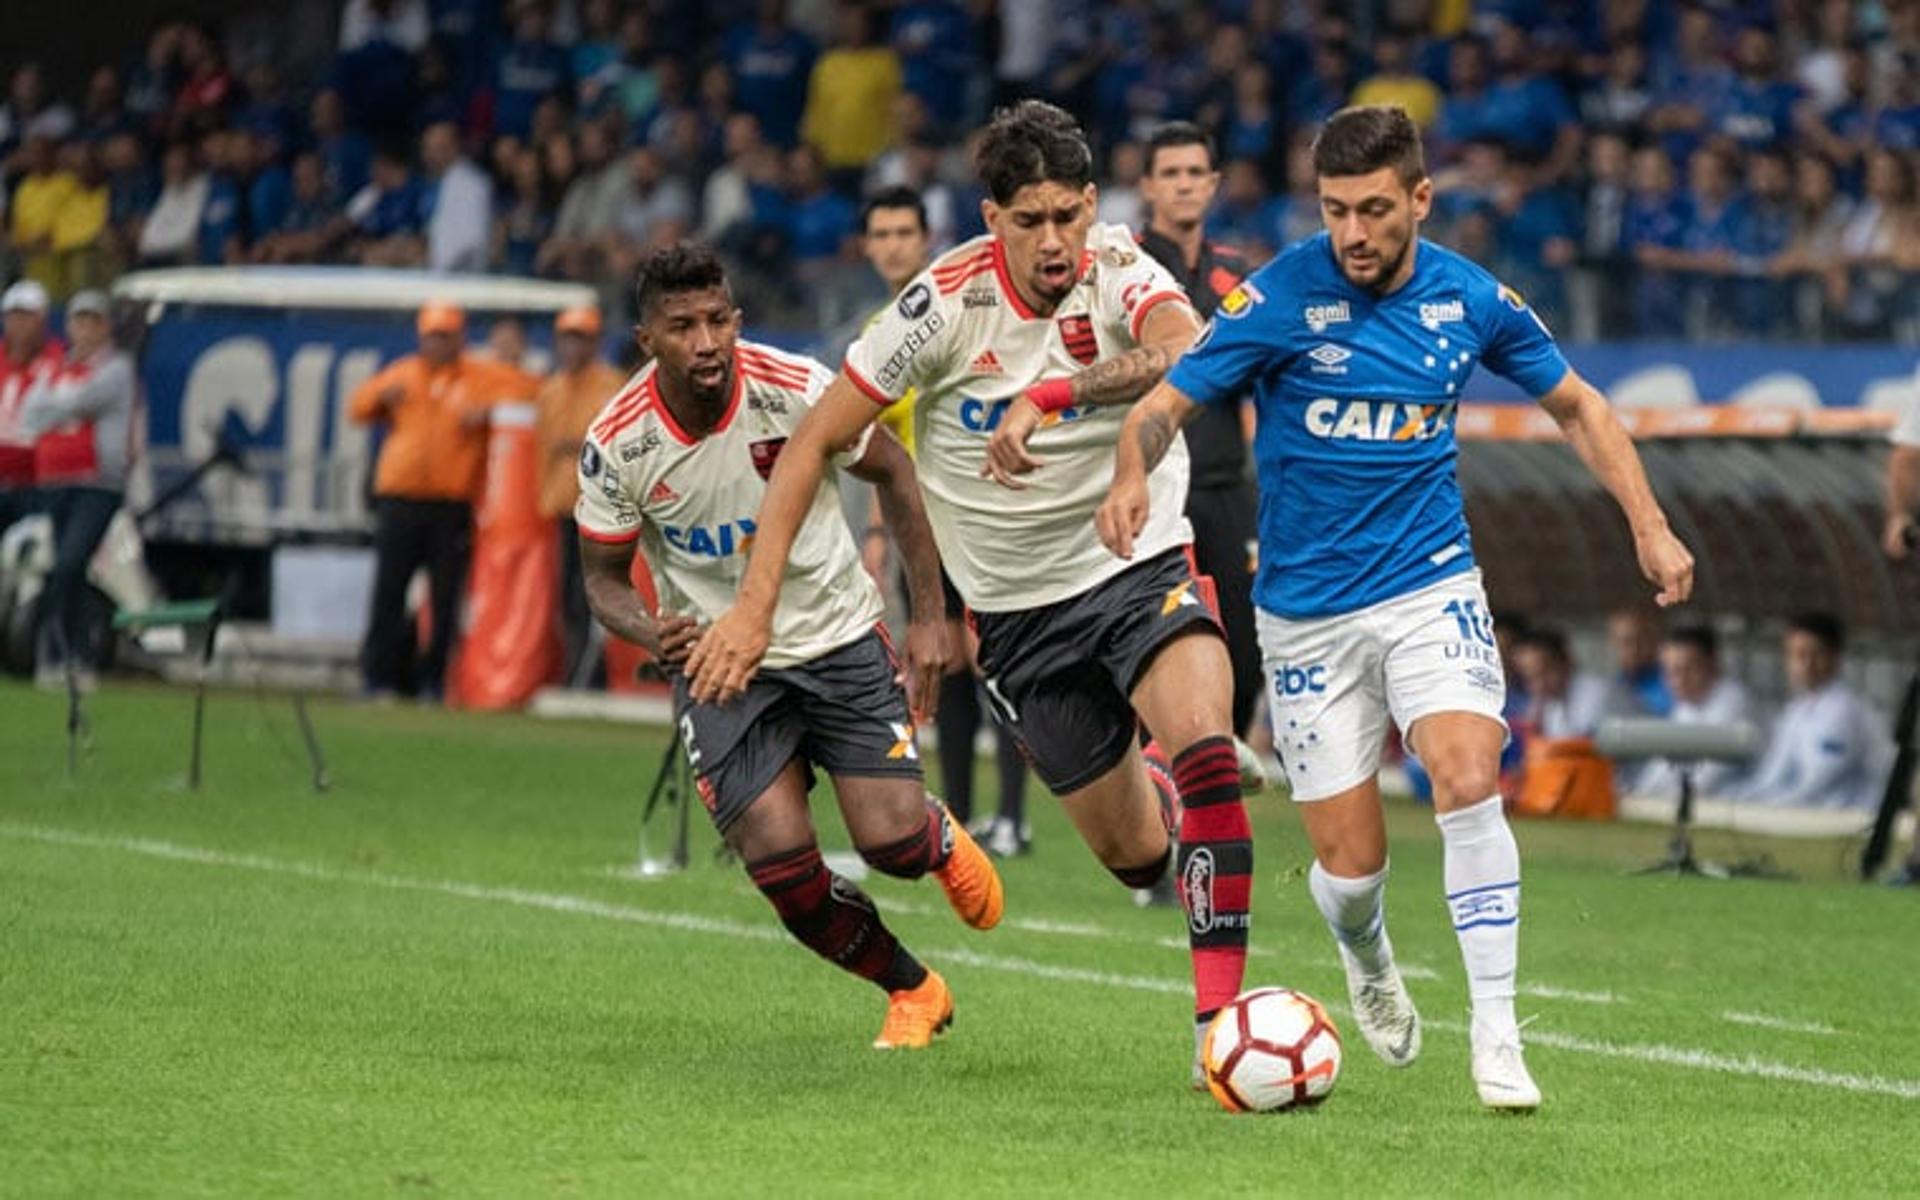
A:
1271, 1049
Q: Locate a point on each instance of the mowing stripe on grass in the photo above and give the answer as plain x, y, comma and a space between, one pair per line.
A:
1674, 1056
1764, 1021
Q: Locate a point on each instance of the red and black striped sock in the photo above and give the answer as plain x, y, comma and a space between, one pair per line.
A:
925, 849
834, 918
1216, 870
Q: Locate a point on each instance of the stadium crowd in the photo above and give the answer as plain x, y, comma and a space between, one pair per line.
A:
1638, 167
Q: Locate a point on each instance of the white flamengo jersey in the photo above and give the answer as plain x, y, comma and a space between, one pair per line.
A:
961, 335
692, 503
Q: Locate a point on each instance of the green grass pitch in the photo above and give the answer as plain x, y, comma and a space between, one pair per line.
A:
436, 979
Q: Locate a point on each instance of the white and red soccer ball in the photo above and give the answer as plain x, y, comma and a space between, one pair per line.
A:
1271, 1049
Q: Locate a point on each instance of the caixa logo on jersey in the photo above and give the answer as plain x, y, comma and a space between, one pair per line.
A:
984, 416
711, 541
1375, 420
1300, 681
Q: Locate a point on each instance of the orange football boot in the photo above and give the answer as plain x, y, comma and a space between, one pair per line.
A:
916, 1014
969, 879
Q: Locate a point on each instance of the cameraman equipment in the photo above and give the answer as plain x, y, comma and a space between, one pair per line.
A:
1687, 745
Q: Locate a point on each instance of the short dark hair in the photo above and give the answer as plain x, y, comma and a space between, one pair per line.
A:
1032, 142
1550, 642
1824, 627
1698, 637
1363, 139
897, 196
1178, 133
685, 266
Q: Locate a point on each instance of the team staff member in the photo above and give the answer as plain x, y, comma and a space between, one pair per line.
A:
1178, 187
27, 357
563, 409
78, 418
434, 407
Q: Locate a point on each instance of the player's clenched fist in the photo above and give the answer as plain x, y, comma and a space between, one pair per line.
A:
1667, 564
1123, 514
724, 660
1007, 454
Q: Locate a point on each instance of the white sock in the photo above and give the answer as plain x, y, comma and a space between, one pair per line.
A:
1356, 913
1483, 891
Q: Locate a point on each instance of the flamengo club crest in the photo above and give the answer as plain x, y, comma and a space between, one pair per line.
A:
1076, 333
765, 454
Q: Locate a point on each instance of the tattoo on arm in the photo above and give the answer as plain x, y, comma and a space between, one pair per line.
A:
1123, 378
1156, 433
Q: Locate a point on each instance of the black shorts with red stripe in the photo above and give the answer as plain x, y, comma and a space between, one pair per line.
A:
843, 712
1061, 675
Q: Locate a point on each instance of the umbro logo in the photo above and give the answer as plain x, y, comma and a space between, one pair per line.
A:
988, 363
662, 494
1329, 359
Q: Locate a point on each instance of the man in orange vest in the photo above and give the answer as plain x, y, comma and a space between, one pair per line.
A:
434, 407
566, 405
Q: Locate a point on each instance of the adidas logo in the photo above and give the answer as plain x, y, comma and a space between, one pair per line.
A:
988, 363
662, 494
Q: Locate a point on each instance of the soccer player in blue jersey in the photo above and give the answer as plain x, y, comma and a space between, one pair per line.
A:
1357, 344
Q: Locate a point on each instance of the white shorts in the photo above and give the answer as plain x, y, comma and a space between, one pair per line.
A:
1332, 682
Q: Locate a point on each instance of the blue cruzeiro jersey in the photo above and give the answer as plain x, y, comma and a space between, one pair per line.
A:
1355, 394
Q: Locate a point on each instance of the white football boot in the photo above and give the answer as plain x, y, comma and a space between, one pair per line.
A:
1500, 1070
1384, 1012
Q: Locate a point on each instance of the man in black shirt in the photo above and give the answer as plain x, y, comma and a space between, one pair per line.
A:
1178, 186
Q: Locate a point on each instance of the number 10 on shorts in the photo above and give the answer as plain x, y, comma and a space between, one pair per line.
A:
1475, 625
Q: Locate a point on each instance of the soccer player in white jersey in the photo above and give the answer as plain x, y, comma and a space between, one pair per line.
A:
1030, 331
677, 462
1356, 344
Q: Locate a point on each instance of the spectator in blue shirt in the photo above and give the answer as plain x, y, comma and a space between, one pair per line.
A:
1603, 229
1689, 82
389, 214
1844, 132
1317, 96
1536, 227
1706, 251
1463, 107
771, 64
1653, 228
377, 82
223, 219
598, 46
1763, 228
1527, 110
309, 224
345, 155
269, 186
1756, 109
530, 68
820, 221
937, 48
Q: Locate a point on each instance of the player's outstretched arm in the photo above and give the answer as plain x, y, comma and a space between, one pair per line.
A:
887, 466
1144, 440
1603, 444
607, 570
730, 652
1165, 335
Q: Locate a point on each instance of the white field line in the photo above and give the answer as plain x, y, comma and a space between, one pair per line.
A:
1764, 1021
1546, 991
1674, 1056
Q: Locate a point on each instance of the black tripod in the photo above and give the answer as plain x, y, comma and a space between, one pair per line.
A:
1680, 858
672, 786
